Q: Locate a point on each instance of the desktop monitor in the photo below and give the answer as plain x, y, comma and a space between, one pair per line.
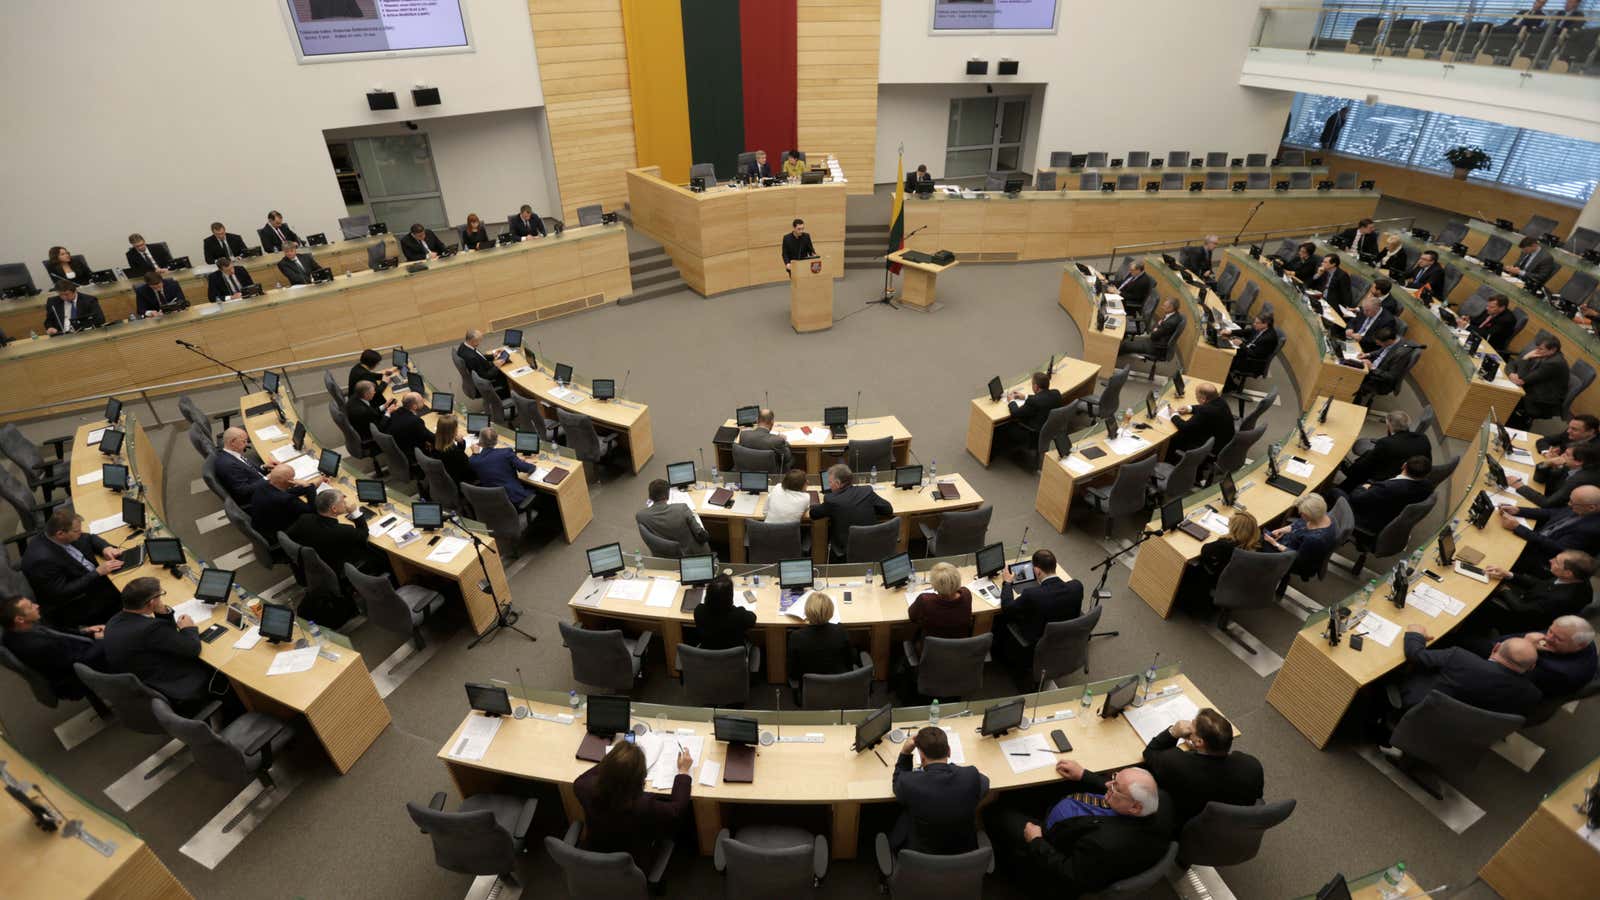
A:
836, 415
427, 516
897, 570
270, 382
609, 715
214, 585
328, 463
1177, 382
604, 388
1230, 491
753, 482
277, 622
114, 476
298, 438
1120, 698
697, 570
132, 512
113, 410
489, 699
1322, 415
163, 551
991, 559
1111, 427
442, 402
111, 441
870, 731
736, 730
563, 373
908, 477
1172, 514
1002, 717
605, 561
400, 358
527, 442
513, 338
995, 389
680, 474
477, 422
371, 491
794, 574
528, 355
745, 416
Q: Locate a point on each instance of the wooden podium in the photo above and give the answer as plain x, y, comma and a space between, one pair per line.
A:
810, 294
918, 279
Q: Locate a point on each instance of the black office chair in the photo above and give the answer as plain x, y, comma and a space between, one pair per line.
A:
870, 543
1444, 738
1127, 495
604, 658
613, 876
1226, 835
244, 749
484, 836
715, 677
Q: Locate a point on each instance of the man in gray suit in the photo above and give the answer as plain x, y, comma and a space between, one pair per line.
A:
761, 438
1534, 263
673, 521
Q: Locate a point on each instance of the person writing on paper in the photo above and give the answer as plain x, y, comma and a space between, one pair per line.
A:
48, 651
278, 502
671, 521
497, 466
1575, 528
847, 504
619, 816
1542, 374
1024, 615
1527, 602
70, 310
526, 224
793, 166
762, 437
228, 281
788, 500
822, 647
797, 244
938, 802
1210, 770
1312, 536
420, 243
158, 294
146, 640
68, 570
1200, 579
719, 624
1208, 420
296, 266
276, 233
944, 610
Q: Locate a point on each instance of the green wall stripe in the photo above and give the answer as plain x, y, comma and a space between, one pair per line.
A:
714, 75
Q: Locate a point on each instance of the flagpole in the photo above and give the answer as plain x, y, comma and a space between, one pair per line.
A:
896, 219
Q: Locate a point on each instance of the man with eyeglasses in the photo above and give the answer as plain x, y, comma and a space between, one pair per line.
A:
145, 639
1576, 527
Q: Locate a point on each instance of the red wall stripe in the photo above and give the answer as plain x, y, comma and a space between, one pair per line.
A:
767, 52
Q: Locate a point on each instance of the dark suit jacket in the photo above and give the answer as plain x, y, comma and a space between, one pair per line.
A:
1497, 330
1539, 268
238, 478
360, 373
480, 365
1387, 455
1384, 319
80, 270
653, 817
270, 242
413, 249
759, 438
1542, 545
456, 463
818, 650
166, 658
476, 240
1032, 412
1303, 269
1135, 292
1544, 384
722, 627
1395, 262
498, 468
1335, 286
69, 595
1051, 600
758, 170
217, 286
335, 541
410, 432
941, 801
1086, 853
214, 250
138, 265
1196, 259
1387, 373
1560, 675
1432, 277
1255, 354
855, 505
800, 248
1193, 779
1207, 420
1559, 486
171, 293
87, 315
272, 510
51, 653
912, 180
1465, 676
1374, 506
534, 226
1536, 601
1165, 330
299, 269
1559, 441
1361, 243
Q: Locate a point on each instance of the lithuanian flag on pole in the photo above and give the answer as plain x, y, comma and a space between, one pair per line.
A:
897, 214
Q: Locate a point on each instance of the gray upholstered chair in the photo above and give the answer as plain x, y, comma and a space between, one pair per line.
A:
403, 610
770, 861
1056, 432
1258, 181
529, 418
708, 171
484, 836
604, 659
31, 512
356, 446
40, 475
1216, 181
1127, 182
1579, 377
354, 227
266, 551
1444, 736
1248, 581
1089, 181
1239, 307
497, 408
714, 677
492, 506
129, 698
1345, 181
864, 455
846, 690
1063, 648
1173, 480
201, 439
192, 411
1395, 536
994, 181
1177, 159
870, 543
1138, 159
244, 749
1172, 181
1095, 160
1495, 248
1060, 159
767, 542
590, 445
1149, 878
1300, 181
958, 532
929, 876
375, 254
1044, 181
590, 215
442, 489
663, 547
1226, 835
1127, 495
1539, 226
1232, 457
952, 667
394, 457
1216, 159
1292, 158
1255, 159
37, 683
613, 876
468, 386
317, 578
208, 474
1110, 397
1441, 472
336, 394
753, 459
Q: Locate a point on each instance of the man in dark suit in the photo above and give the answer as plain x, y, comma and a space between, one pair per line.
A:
1379, 502
846, 504
365, 412
1498, 684
1529, 602
1049, 599
1384, 459
797, 244
1382, 290
1135, 287
1362, 239
1102, 831
421, 243
275, 234
1582, 428
278, 502
142, 257
1384, 368
221, 244
1496, 324
1305, 265
917, 178
1374, 318
673, 521
480, 365
1542, 373
1208, 419
228, 281
406, 425
1028, 414
761, 437
758, 168
68, 570
366, 369
1332, 281
239, 476
1209, 771
1254, 350
296, 266
337, 543
1164, 329
526, 224
1197, 259
1577, 527
48, 651
158, 295
939, 802
1578, 466
70, 310
1535, 264
496, 466
1426, 277
145, 640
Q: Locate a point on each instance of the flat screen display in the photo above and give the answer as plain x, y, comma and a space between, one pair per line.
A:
697, 569
908, 477
991, 559
680, 474
400, 358
277, 622
332, 28
994, 15
513, 337
835, 415
163, 551
443, 402
606, 560
269, 381
371, 490
214, 585
563, 373
111, 442
114, 476
132, 513
328, 463
753, 482
113, 409
489, 698
427, 515
794, 573
874, 727
745, 416
527, 442
1002, 717
609, 715
896, 570
477, 422
604, 388
736, 729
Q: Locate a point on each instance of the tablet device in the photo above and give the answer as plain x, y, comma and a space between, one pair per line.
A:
870, 731
603, 388
608, 715
328, 463
477, 422
442, 402
415, 383
1230, 492
697, 570
995, 389
908, 477
163, 551
371, 491
489, 699
741, 730
991, 559
114, 476
277, 622
897, 570
299, 437
513, 338
1022, 572
269, 381
113, 410
794, 574
1002, 717
427, 516
132, 512
836, 415
527, 442
214, 585
1119, 698
745, 416
400, 358
753, 482
681, 474
563, 373
111, 441
606, 560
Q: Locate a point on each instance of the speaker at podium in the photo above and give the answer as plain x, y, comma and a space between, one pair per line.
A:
811, 294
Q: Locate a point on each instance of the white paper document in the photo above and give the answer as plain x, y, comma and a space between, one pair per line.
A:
288, 662
1155, 717
91, 477
271, 433
1322, 444
1298, 469
101, 526
446, 549
285, 453
1446, 604
1379, 629
631, 589
476, 736
198, 610
1125, 444
709, 772
95, 436
958, 755
1214, 522
984, 590
1029, 752
520, 371
663, 592
664, 762
249, 639
1077, 465
304, 467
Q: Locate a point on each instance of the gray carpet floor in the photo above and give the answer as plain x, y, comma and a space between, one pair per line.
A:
693, 360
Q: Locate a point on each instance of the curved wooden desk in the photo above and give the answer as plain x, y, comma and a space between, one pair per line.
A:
488, 289
1072, 377
818, 450
1547, 859
1305, 351
1567, 262
1199, 358
1100, 346
628, 419
1067, 178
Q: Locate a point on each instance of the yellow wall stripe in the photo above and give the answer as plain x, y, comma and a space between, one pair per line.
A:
658, 86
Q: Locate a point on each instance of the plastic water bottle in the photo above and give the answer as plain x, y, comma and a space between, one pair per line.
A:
1087, 700
1022, 550
572, 701
715, 476
872, 478
638, 561
1395, 874
933, 712
933, 469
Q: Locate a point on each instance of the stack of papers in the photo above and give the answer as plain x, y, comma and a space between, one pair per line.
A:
663, 755
520, 371
1153, 718
632, 589
476, 736
567, 394
249, 639
817, 436
984, 589
1212, 521
288, 662
1322, 444
1298, 469
198, 610
1427, 599
1125, 444
663, 592
95, 436
91, 478
1026, 753
271, 433
446, 549
284, 454
958, 756
375, 529
304, 467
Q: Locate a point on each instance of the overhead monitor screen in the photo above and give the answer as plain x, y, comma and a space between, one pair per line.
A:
326, 29
994, 15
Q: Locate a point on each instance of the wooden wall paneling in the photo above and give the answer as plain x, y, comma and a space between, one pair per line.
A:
1468, 198
502, 277
836, 73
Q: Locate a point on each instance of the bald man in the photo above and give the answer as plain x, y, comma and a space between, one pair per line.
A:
1575, 526
1498, 684
762, 437
239, 475
278, 502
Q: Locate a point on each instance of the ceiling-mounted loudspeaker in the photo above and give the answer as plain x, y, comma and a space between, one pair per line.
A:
977, 67
425, 96
377, 100
1007, 67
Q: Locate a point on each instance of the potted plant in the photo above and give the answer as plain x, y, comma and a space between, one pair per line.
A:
1467, 160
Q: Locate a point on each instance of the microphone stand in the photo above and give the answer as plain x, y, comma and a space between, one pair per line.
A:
887, 297
1247, 220
244, 380
504, 615
1104, 566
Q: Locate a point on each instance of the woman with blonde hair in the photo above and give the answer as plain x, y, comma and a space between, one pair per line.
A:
1200, 579
945, 609
1393, 257
821, 647
1313, 536
450, 448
